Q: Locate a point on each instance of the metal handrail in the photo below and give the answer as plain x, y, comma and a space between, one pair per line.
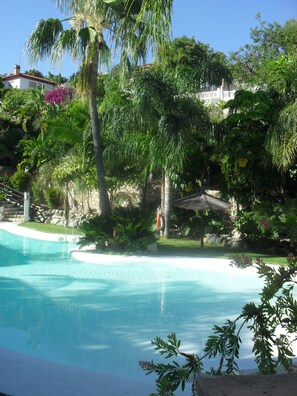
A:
12, 194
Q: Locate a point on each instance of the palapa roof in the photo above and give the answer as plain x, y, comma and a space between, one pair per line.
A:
201, 201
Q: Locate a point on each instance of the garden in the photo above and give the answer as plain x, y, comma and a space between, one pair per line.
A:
106, 152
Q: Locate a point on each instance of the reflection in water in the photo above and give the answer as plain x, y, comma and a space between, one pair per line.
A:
103, 316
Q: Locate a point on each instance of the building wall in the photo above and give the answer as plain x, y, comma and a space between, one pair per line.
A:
24, 83
217, 94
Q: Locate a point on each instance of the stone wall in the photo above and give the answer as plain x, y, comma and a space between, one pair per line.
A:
57, 216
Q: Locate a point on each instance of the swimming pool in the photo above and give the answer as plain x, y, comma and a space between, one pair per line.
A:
102, 314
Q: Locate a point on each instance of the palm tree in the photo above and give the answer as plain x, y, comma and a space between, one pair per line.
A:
282, 138
131, 26
156, 124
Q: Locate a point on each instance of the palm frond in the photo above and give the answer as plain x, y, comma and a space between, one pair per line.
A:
155, 17
282, 138
43, 38
65, 43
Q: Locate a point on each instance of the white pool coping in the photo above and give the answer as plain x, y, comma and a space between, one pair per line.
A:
28, 233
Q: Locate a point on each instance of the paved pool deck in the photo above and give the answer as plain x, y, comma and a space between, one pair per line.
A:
249, 385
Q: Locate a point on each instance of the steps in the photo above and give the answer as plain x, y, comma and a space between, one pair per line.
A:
12, 213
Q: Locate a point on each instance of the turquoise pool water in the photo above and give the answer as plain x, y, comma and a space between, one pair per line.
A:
103, 315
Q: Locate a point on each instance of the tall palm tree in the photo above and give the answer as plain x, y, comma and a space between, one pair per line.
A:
157, 123
282, 138
130, 26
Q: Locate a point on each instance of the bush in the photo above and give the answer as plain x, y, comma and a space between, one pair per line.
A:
2, 197
268, 221
53, 197
99, 231
59, 95
126, 230
37, 191
20, 180
133, 231
187, 223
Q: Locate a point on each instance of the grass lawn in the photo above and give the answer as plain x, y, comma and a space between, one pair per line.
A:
176, 247
187, 247
48, 228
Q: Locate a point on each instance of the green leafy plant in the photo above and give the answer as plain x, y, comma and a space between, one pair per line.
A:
268, 221
2, 196
20, 180
277, 309
37, 190
134, 228
53, 197
97, 230
126, 230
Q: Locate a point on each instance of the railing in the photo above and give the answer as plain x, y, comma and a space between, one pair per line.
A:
216, 95
12, 195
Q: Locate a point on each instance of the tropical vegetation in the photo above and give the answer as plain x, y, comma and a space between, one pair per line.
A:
139, 135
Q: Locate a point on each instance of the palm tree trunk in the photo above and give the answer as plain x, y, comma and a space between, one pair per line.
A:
104, 203
167, 205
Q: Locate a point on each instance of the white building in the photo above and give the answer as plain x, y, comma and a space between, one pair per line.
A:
22, 81
211, 94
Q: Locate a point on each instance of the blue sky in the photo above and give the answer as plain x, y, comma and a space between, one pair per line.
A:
224, 25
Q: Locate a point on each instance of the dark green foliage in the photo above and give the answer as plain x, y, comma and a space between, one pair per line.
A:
2, 197
277, 307
53, 197
99, 231
57, 78
195, 63
126, 230
133, 229
37, 190
193, 224
10, 135
34, 72
20, 180
267, 221
245, 161
269, 43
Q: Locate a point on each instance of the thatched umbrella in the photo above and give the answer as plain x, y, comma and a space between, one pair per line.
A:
202, 202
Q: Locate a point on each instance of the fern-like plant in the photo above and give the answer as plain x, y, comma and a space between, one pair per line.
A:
127, 230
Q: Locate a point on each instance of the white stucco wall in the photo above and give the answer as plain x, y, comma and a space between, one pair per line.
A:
23, 83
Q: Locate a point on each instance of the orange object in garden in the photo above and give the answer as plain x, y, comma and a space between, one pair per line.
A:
159, 219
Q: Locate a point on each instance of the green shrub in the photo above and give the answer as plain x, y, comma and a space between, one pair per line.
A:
2, 196
99, 231
126, 230
53, 197
37, 191
268, 221
20, 180
133, 231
